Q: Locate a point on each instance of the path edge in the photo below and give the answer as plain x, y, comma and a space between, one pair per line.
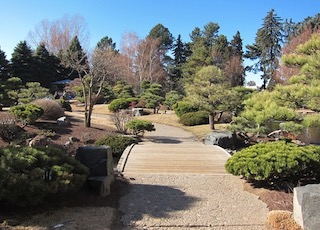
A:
124, 158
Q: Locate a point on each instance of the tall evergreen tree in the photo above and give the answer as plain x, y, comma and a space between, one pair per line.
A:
22, 62
77, 56
220, 51
163, 34
180, 57
267, 48
4, 67
210, 33
236, 45
234, 69
106, 43
47, 66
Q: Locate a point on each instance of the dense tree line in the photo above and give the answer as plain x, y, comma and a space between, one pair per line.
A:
209, 60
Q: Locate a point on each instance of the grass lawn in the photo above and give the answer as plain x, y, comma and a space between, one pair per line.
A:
168, 118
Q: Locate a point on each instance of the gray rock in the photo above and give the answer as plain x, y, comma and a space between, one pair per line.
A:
306, 202
39, 140
137, 111
63, 121
224, 139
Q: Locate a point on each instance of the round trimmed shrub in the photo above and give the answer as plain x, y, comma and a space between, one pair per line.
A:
276, 161
118, 143
140, 126
121, 103
52, 109
195, 118
183, 107
29, 175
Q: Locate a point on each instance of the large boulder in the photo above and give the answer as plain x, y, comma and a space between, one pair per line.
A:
222, 138
306, 203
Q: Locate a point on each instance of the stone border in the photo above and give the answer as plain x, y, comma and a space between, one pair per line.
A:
124, 158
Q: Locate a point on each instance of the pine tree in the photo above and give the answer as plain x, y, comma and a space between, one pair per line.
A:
22, 63
47, 66
236, 45
180, 57
77, 56
106, 43
163, 34
267, 48
4, 67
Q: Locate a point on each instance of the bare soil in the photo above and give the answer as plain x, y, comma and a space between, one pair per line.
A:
59, 135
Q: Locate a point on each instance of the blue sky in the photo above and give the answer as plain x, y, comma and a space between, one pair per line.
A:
113, 18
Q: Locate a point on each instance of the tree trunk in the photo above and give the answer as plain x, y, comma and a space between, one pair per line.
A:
211, 120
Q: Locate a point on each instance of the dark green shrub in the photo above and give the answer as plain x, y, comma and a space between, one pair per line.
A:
276, 161
140, 126
121, 103
183, 107
118, 143
195, 118
27, 113
52, 109
65, 105
29, 175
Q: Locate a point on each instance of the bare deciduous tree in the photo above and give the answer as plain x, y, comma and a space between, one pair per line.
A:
142, 60
102, 66
128, 50
234, 71
56, 35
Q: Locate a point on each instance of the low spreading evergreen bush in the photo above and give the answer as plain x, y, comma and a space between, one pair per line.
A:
140, 126
118, 143
29, 175
27, 113
277, 161
195, 118
183, 107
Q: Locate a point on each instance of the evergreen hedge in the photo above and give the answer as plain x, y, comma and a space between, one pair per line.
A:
195, 118
183, 107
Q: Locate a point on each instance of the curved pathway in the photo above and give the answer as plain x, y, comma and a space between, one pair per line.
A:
173, 150
179, 183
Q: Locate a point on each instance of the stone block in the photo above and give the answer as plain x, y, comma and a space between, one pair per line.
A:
306, 203
100, 185
99, 160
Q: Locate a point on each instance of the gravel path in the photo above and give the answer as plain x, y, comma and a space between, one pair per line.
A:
186, 201
191, 202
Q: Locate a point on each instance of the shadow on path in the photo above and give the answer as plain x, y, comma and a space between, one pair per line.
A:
154, 201
162, 139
